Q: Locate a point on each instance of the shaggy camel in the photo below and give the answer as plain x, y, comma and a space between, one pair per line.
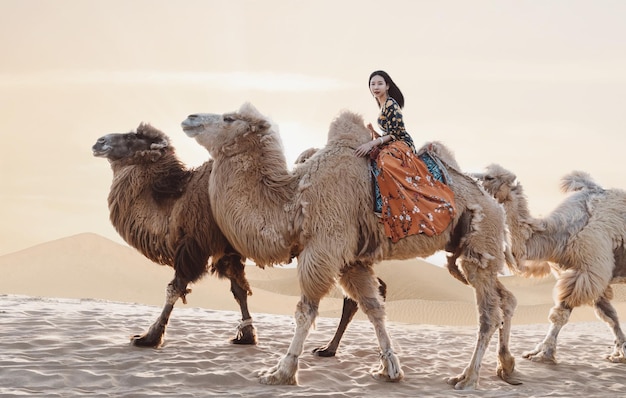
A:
162, 209
321, 212
582, 241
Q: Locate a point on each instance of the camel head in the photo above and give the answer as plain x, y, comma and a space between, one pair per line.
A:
147, 143
498, 181
228, 132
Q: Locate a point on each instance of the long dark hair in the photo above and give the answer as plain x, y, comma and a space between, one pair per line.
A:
394, 90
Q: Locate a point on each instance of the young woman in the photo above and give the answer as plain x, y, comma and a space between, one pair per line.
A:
409, 198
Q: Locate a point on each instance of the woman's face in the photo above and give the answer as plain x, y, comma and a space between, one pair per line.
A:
378, 87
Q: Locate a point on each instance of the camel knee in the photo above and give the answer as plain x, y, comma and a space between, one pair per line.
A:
508, 300
373, 306
559, 315
306, 312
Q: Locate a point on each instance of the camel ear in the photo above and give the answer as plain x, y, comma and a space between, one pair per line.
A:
502, 192
261, 125
159, 145
509, 178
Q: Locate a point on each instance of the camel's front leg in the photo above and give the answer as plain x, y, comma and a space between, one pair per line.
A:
546, 350
606, 312
490, 318
286, 370
153, 338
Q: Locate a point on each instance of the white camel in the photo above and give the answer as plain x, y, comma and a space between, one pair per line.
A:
581, 241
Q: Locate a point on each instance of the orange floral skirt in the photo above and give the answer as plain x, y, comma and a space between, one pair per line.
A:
413, 201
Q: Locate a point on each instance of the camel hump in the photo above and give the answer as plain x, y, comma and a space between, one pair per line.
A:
439, 151
578, 181
348, 127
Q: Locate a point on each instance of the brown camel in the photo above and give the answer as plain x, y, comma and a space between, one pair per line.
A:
321, 212
162, 209
581, 241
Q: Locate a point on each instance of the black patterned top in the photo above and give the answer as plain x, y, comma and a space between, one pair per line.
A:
390, 121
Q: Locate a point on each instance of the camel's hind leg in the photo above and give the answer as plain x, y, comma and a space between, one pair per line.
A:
232, 267
359, 282
606, 312
153, 337
546, 350
506, 361
483, 280
350, 308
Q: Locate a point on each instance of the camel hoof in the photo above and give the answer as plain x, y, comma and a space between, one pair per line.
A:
146, 341
506, 369
324, 352
385, 377
540, 357
618, 355
273, 378
460, 385
245, 335
509, 378
616, 358
390, 369
461, 382
285, 373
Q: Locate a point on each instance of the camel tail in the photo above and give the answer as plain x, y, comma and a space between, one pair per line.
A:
576, 287
578, 181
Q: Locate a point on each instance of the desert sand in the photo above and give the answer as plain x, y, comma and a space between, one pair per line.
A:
69, 306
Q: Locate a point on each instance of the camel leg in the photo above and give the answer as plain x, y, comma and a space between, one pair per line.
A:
350, 308
359, 282
606, 312
546, 350
246, 332
286, 370
176, 289
506, 361
232, 266
316, 278
489, 318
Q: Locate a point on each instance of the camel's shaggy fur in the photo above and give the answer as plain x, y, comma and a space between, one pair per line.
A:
162, 209
582, 241
321, 212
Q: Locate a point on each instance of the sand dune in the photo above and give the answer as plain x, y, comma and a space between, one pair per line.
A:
69, 306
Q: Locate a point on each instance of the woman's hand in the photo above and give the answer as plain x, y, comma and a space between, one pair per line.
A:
372, 131
364, 149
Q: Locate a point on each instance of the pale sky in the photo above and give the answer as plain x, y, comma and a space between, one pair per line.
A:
537, 86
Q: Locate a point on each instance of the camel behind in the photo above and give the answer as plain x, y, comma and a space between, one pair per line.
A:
582, 240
